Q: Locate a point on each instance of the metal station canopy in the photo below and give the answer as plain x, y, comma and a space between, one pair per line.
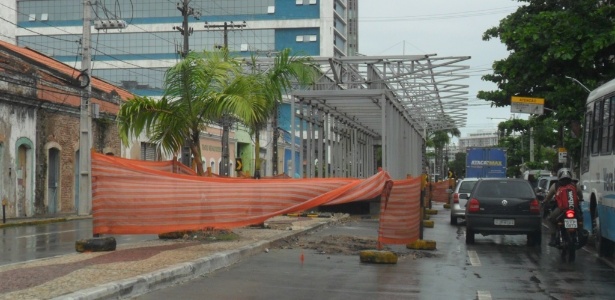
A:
363, 101
425, 88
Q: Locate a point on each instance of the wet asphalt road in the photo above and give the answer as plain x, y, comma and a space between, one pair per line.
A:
495, 267
23, 243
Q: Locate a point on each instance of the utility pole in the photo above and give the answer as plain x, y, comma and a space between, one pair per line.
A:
85, 122
226, 120
84, 204
186, 31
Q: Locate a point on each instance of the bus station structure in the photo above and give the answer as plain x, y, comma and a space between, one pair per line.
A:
362, 102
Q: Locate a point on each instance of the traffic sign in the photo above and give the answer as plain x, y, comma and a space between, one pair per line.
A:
238, 164
562, 155
527, 105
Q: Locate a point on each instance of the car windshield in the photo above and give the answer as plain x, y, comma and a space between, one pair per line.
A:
466, 186
497, 188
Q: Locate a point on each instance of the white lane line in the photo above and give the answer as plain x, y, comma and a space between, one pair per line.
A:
46, 233
483, 295
474, 260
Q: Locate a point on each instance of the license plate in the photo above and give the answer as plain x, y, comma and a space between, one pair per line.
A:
504, 222
570, 223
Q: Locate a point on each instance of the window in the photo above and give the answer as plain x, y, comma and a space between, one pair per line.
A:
611, 125
597, 127
299, 38
148, 151
586, 143
607, 125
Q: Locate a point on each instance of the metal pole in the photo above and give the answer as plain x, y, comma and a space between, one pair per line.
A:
85, 156
293, 138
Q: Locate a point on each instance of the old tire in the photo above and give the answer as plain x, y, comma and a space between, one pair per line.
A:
378, 257
96, 244
604, 246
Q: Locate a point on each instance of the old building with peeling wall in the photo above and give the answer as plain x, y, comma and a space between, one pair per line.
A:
39, 131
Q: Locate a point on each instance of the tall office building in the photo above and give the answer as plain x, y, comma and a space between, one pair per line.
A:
137, 56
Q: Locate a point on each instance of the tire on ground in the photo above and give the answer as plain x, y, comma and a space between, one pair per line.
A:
378, 257
428, 223
422, 245
96, 244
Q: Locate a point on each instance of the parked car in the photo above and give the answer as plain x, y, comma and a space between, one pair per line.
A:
544, 183
503, 206
459, 197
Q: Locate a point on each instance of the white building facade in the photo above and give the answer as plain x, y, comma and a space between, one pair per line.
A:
479, 139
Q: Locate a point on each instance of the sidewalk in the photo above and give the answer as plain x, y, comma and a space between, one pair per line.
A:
135, 269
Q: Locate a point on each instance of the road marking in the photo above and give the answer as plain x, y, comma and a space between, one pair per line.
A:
483, 295
474, 260
47, 233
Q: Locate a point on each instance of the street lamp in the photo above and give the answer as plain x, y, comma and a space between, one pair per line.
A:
575, 80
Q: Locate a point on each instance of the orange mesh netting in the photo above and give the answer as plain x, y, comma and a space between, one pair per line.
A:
400, 214
139, 197
438, 191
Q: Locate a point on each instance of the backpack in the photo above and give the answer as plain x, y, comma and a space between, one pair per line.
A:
566, 197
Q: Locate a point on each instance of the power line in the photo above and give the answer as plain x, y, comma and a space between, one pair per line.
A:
465, 14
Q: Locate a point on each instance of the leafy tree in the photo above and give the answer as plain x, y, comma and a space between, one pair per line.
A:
551, 42
459, 164
439, 139
198, 89
515, 135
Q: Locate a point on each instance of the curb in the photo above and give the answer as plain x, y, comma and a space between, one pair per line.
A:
139, 285
27, 222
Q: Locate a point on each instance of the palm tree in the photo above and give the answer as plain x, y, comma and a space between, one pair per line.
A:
198, 90
439, 139
276, 81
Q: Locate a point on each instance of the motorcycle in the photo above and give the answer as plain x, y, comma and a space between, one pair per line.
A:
567, 235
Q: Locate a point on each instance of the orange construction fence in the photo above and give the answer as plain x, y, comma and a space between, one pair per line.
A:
143, 197
439, 191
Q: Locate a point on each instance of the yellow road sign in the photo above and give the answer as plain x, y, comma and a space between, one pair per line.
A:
527, 100
238, 164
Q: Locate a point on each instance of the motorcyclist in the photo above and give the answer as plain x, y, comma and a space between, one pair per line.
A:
564, 177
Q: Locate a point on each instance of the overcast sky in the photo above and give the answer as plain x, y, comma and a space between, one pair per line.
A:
446, 28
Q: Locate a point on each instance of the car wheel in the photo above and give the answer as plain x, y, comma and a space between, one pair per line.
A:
534, 239
453, 220
469, 236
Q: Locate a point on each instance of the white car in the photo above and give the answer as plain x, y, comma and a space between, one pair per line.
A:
459, 197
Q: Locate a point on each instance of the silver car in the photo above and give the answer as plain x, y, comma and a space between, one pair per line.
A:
459, 197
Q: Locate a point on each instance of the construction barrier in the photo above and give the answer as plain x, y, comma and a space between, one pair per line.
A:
439, 191
400, 215
141, 197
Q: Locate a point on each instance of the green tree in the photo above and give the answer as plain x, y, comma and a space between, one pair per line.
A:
439, 139
287, 72
551, 42
459, 164
515, 135
198, 90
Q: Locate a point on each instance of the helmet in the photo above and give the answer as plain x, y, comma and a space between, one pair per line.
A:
564, 173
